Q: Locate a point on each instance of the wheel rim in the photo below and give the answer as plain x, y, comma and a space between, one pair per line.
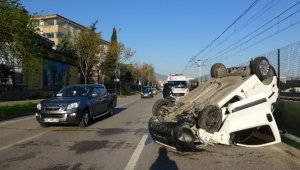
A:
86, 118
110, 110
264, 67
212, 120
161, 110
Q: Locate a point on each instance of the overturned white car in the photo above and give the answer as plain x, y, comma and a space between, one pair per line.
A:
235, 106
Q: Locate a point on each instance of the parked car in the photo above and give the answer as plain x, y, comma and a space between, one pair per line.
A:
76, 104
146, 92
235, 106
154, 91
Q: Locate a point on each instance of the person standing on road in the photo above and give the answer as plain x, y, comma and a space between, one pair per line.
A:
167, 91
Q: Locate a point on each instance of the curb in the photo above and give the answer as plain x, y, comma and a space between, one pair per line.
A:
291, 140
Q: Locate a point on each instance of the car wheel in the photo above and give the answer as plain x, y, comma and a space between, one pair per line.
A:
160, 107
43, 125
85, 119
110, 110
261, 68
210, 118
217, 70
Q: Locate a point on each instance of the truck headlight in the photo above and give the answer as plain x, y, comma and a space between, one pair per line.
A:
39, 106
73, 105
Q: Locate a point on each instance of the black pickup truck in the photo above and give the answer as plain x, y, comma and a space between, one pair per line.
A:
76, 104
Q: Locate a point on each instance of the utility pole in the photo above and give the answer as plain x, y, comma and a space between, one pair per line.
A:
199, 64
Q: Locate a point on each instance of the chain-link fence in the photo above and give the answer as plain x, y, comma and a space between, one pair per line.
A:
286, 62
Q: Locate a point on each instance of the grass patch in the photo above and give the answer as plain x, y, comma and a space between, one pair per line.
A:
17, 109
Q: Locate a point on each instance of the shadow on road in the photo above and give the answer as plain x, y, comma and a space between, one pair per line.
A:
118, 110
163, 161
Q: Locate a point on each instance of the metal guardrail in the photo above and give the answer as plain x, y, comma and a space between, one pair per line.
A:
289, 96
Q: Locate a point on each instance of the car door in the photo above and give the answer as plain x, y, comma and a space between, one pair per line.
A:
252, 123
95, 102
104, 100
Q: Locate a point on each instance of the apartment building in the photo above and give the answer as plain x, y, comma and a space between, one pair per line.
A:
55, 27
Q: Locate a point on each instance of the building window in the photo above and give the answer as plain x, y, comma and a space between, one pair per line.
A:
49, 22
62, 23
56, 74
59, 35
49, 35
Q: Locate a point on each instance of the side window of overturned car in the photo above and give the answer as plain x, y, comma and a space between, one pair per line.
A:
254, 136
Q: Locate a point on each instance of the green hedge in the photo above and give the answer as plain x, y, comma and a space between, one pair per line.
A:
17, 109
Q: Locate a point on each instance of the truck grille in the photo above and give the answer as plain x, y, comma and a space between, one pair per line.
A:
52, 115
54, 107
51, 108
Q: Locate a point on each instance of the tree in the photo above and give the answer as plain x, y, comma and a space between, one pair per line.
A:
18, 38
117, 54
111, 59
124, 53
147, 74
66, 46
87, 46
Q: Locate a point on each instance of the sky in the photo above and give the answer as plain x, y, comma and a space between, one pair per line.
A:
170, 33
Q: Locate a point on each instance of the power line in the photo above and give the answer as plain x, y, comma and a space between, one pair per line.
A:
235, 21
221, 53
265, 38
251, 19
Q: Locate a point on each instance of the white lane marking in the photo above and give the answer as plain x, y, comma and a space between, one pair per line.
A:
16, 120
22, 141
136, 154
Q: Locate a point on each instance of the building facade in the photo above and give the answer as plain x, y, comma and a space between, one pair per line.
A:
55, 27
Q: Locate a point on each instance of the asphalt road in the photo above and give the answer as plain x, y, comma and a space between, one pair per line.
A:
122, 142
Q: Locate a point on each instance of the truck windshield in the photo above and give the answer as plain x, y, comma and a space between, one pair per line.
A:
73, 91
177, 84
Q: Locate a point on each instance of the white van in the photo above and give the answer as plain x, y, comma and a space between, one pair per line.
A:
179, 85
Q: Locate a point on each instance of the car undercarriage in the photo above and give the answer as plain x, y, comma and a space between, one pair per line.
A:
235, 106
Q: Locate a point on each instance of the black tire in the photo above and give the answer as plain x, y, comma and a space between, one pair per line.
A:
216, 69
85, 119
43, 125
210, 118
110, 110
261, 67
158, 107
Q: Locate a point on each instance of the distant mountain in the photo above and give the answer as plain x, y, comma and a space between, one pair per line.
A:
160, 77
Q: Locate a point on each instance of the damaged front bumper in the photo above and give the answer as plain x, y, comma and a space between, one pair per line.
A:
172, 134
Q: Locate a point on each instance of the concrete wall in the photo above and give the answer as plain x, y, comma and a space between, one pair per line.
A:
287, 116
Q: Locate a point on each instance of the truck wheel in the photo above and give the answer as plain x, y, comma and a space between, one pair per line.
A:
85, 119
160, 107
210, 118
110, 110
261, 68
217, 70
